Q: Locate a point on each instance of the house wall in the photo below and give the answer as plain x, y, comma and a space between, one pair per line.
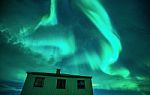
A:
50, 84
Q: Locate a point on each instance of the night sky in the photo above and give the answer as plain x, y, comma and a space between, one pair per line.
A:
75, 45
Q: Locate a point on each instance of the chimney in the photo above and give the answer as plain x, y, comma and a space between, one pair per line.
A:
58, 72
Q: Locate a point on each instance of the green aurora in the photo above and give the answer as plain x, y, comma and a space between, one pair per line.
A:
66, 44
46, 43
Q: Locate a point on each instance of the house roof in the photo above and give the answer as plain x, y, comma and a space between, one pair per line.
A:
58, 75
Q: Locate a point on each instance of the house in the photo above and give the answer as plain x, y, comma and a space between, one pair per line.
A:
38, 83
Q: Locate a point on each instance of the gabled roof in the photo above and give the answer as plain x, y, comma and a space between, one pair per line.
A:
58, 75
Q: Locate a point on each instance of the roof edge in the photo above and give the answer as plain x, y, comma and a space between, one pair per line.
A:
58, 75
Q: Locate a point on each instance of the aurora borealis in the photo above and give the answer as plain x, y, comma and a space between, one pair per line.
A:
105, 39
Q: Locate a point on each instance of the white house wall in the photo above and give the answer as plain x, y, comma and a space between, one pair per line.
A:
50, 83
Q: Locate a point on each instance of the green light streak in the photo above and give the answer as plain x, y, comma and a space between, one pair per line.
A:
116, 84
66, 45
51, 18
94, 59
55, 43
97, 14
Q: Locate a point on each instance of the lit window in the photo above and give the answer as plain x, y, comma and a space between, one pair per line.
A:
39, 82
81, 84
61, 83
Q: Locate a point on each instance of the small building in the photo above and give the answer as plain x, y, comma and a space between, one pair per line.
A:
38, 83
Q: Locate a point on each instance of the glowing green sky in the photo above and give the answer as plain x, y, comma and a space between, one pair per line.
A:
108, 41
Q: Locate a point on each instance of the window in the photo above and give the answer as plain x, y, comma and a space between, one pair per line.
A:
81, 84
61, 83
39, 82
